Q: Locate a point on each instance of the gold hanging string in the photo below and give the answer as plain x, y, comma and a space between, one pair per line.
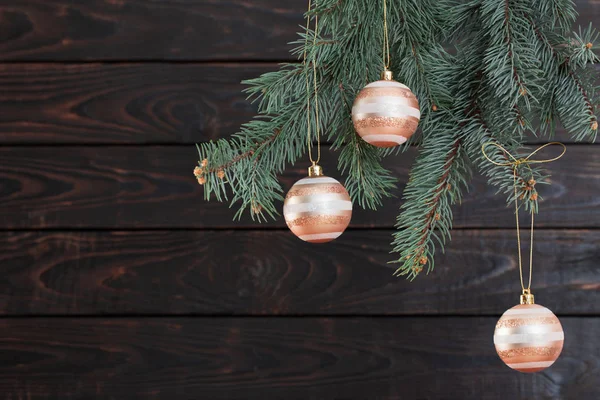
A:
386, 39
316, 94
514, 164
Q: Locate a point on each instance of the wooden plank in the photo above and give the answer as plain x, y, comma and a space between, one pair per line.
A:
259, 273
148, 30
123, 103
128, 103
160, 30
153, 187
292, 358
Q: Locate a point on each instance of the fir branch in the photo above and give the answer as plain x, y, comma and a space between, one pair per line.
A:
436, 182
248, 153
367, 181
584, 94
516, 68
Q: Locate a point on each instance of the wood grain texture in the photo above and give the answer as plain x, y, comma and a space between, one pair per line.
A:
259, 273
153, 187
92, 231
123, 103
293, 358
129, 103
148, 30
161, 29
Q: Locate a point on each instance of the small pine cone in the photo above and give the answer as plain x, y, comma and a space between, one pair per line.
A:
589, 45
256, 209
221, 174
197, 171
534, 196
202, 180
532, 182
204, 162
595, 125
417, 269
528, 188
434, 107
423, 260
448, 186
437, 216
523, 91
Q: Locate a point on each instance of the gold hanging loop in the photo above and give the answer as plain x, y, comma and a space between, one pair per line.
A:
316, 93
386, 40
514, 163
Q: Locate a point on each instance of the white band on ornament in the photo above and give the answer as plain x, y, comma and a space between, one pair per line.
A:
385, 138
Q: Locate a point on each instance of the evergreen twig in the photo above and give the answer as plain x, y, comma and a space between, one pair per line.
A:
515, 70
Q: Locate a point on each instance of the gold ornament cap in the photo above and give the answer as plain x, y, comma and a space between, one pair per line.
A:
387, 75
315, 170
527, 297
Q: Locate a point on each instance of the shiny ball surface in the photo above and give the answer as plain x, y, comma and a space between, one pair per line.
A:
528, 338
386, 113
317, 209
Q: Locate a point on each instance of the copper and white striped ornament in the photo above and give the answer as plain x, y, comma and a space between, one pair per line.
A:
528, 337
318, 208
386, 113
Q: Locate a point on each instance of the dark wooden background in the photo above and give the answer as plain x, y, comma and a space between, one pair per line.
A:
118, 282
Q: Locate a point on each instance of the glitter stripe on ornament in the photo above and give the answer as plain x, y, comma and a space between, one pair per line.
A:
310, 220
531, 349
402, 124
542, 352
522, 321
311, 190
322, 218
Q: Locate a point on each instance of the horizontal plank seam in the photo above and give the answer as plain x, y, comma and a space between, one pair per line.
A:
179, 144
258, 228
273, 316
208, 62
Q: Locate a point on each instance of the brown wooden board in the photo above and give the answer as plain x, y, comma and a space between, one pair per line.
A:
259, 273
123, 103
148, 30
128, 103
153, 187
160, 30
292, 358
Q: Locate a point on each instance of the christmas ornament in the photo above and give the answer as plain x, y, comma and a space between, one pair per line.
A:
528, 337
317, 209
386, 113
